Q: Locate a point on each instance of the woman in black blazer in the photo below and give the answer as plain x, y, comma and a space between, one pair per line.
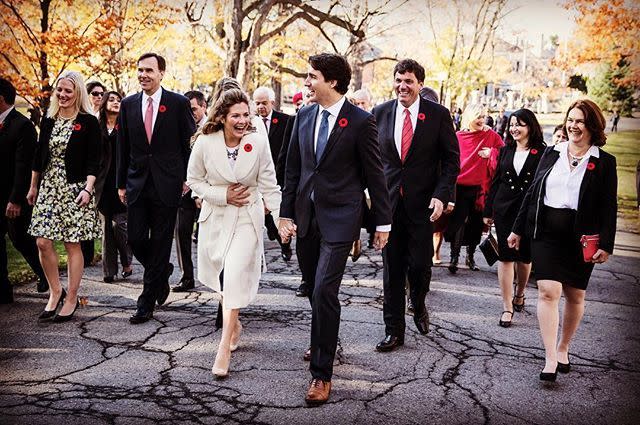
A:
66, 162
517, 164
574, 193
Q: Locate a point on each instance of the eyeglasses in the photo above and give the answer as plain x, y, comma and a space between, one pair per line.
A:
97, 93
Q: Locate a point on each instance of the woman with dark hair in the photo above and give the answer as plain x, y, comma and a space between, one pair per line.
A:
517, 164
114, 212
569, 212
559, 134
65, 166
232, 171
479, 146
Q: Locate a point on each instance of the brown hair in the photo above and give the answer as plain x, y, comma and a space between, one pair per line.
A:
221, 108
593, 119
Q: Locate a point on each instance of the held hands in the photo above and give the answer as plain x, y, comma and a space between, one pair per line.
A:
514, 241
600, 256
380, 240
32, 195
237, 195
287, 229
484, 153
13, 210
83, 198
436, 205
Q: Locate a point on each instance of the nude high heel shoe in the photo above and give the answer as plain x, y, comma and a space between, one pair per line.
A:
235, 338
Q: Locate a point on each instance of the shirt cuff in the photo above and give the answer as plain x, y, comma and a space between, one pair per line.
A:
453, 204
383, 228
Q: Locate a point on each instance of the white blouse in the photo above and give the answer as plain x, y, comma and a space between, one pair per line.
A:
519, 158
563, 183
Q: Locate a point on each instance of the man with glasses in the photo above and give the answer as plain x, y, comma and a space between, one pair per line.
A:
96, 90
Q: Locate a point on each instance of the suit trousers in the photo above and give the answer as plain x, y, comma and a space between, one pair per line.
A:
150, 229
114, 243
465, 222
183, 233
407, 256
88, 252
23, 242
322, 264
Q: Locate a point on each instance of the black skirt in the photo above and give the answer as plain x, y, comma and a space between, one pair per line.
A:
503, 230
557, 252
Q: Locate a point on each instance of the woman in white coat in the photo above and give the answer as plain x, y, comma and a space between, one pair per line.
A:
231, 170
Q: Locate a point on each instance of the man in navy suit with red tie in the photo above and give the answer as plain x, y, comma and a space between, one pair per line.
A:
333, 156
421, 160
155, 127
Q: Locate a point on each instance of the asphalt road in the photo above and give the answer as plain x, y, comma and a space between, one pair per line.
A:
99, 369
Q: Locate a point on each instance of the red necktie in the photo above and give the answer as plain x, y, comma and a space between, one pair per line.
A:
264, 120
407, 135
148, 120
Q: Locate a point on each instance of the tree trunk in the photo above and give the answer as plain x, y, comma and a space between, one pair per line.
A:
276, 85
234, 47
45, 87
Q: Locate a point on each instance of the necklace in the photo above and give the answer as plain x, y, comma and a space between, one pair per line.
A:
232, 154
575, 160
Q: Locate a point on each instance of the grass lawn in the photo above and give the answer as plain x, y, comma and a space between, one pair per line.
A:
625, 146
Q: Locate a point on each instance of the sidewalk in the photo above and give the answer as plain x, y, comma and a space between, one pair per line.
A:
101, 370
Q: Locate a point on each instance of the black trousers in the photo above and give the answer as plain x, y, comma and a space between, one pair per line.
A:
184, 230
465, 223
150, 228
114, 243
322, 264
407, 256
23, 242
88, 252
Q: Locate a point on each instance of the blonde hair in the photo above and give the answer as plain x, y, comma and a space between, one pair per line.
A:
81, 104
470, 113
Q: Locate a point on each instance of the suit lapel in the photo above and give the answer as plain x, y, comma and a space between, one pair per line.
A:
390, 132
342, 121
307, 131
247, 156
589, 175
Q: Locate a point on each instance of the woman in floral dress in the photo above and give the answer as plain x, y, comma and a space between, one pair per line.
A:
62, 190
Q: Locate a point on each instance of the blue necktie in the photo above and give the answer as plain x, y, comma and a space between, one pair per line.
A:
323, 134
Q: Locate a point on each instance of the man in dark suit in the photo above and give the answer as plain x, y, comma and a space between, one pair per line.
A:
275, 122
18, 140
333, 156
421, 163
155, 127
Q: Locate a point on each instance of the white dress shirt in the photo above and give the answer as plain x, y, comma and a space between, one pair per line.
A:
397, 132
202, 121
3, 116
334, 110
563, 183
156, 105
519, 158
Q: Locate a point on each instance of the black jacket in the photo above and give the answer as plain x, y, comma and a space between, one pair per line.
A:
432, 164
277, 128
83, 154
17, 146
597, 202
109, 202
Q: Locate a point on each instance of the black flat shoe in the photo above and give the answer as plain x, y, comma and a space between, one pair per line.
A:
140, 317
302, 290
60, 319
453, 265
126, 274
422, 322
505, 323
548, 376
185, 285
564, 367
518, 307
165, 289
48, 314
108, 279
389, 343
471, 263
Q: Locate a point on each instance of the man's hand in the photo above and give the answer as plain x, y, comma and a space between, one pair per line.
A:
449, 208
600, 256
287, 229
237, 195
380, 240
198, 202
487, 220
436, 205
13, 210
514, 241
122, 194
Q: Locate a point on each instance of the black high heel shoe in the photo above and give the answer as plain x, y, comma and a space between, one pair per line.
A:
126, 274
564, 367
505, 323
518, 307
549, 376
48, 314
59, 319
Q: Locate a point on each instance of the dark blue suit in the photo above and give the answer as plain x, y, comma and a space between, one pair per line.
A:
328, 225
153, 174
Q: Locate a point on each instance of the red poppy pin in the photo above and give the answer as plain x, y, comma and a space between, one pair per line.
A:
421, 116
248, 147
162, 108
591, 166
534, 151
343, 122
77, 127
275, 120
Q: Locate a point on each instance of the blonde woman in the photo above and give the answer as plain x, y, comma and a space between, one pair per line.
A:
64, 171
232, 171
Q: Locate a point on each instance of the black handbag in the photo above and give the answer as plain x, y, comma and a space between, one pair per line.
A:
489, 248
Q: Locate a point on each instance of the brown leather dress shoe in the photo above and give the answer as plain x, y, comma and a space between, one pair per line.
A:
318, 393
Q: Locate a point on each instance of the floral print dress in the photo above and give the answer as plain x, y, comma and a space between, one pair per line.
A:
56, 215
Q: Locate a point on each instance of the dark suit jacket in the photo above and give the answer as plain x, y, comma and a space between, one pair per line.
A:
109, 202
83, 155
281, 162
597, 202
165, 159
508, 188
433, 161
17, 146
349, 164
279, 122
